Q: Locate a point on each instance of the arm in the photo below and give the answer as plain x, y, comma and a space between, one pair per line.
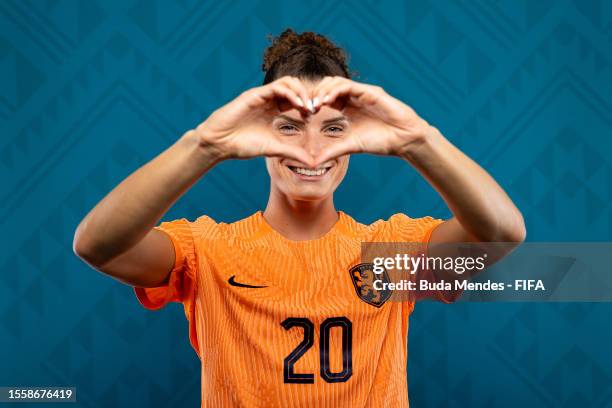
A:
482, 210
383, 125
117, 236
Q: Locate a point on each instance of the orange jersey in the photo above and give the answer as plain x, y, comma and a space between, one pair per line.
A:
279, 323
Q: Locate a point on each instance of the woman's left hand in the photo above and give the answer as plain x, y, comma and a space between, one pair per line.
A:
380, 124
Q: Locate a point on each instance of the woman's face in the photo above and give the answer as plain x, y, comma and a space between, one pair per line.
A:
314, 133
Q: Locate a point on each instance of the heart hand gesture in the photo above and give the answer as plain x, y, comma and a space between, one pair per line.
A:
241, 128
380, 123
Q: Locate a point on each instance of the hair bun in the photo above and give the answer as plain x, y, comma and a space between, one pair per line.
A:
289, 42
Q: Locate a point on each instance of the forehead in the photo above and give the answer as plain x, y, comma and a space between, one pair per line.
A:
310, 84
323, 114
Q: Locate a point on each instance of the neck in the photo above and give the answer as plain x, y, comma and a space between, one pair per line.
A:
300, 220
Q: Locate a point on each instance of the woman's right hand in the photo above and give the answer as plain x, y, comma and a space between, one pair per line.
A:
242, 128
117, 238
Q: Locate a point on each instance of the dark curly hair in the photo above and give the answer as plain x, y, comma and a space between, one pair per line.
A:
307, 55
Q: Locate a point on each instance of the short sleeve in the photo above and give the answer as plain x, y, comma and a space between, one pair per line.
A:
446, 296
181, 284
419, 230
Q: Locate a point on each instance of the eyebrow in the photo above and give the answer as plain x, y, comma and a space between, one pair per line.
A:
336, 119
325, 122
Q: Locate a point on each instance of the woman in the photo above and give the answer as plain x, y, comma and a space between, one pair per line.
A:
274, 312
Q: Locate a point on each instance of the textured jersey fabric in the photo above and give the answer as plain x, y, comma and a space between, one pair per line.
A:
278, 323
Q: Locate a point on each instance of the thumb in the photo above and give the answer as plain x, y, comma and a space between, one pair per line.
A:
278, 149
340, 148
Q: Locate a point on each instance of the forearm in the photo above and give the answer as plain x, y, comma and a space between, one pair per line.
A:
480, 205
131, 209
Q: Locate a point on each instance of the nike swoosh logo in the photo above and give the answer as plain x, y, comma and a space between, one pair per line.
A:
232, 282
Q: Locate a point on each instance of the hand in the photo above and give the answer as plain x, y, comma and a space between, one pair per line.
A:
241, 128
380, 124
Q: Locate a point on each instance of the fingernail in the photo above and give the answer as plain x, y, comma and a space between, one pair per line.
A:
300, 102
325, 98
310, 107
315, 102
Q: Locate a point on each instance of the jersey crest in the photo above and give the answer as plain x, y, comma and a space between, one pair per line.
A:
363, 278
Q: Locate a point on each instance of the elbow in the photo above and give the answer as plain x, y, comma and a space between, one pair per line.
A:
82, 248
516, 233
80, 251
520, 235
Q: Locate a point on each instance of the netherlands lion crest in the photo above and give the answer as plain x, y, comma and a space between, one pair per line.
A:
363, 278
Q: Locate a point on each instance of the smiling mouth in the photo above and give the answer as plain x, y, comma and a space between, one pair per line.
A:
302, 171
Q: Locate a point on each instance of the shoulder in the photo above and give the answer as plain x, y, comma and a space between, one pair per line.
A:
398, 227
185, 229
206, 228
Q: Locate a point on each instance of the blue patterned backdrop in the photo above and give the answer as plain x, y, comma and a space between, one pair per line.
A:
93, 89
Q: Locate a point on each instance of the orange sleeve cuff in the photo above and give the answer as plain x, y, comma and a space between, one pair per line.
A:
157, 297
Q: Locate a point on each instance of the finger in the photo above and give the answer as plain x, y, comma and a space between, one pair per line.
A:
279, 90
326, 86
337, 149
283, 91
348, 90
339, 100
279, 149
316, 94
299, 88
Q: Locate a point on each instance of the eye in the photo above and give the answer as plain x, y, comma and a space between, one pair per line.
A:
334, 130
287, 129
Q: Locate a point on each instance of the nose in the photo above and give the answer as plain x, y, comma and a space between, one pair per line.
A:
313, 143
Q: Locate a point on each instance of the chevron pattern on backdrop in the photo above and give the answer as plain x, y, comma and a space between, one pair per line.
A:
93, 89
